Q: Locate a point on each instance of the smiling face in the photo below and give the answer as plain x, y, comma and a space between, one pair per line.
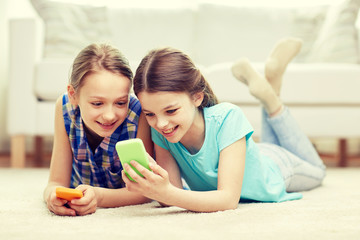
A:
103, 100
173, 114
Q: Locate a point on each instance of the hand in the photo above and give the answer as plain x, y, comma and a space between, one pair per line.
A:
154, 185
57, 205
87, 204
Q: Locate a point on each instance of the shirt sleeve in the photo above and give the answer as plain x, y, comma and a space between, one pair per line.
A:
233, 127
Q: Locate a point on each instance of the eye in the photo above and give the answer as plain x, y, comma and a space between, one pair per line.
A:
121, 103
96, 104
149, 114
171, 111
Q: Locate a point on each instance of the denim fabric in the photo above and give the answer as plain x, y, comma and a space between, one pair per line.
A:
283, 141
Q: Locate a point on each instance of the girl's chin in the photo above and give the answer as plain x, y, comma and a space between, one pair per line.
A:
107, 129
174, 138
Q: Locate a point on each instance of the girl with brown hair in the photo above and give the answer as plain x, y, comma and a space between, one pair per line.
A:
209, 144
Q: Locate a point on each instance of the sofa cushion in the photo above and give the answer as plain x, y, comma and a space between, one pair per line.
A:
226, 33
338, 37
137, 30
70, 27
306, 24
51, 78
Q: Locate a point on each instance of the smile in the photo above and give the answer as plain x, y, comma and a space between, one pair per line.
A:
106, 125
170, 130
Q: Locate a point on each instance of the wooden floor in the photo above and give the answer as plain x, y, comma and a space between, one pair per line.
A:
330, 161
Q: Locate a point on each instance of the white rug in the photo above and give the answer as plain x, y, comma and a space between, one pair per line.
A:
329, 212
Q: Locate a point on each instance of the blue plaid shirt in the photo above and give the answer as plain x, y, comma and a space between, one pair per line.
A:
102, 168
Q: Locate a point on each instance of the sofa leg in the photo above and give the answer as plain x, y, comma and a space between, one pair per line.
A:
38, 150
18, 151
342, 153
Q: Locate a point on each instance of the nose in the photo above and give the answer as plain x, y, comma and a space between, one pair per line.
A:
109, 114
161, 122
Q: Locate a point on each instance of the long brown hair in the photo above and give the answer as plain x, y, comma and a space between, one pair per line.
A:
171, 70
96, 57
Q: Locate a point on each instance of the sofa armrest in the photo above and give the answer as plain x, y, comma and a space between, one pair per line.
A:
21, 116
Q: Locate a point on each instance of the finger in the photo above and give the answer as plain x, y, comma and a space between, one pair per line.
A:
151, 160
82, 209
88, 195
62, 210
82, 187
157, 169
132, 172
81, 201
54, 200
125, 178
59, 202
89, 211
144, 171
57, 206
130, 185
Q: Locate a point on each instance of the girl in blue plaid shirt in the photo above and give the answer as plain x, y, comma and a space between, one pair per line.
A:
96, 112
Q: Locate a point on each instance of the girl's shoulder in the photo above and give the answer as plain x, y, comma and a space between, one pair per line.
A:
226, 123
69, 111
226, 116
134, 110
223, 110
71, 114
134, 104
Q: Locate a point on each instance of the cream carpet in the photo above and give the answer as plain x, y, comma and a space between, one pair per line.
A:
329, 212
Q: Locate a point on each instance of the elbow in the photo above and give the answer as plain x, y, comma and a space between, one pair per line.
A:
145, 200
221, 207
230, 206
164, 205
231, 202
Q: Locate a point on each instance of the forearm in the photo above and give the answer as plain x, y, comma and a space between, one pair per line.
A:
209, 201
108, 198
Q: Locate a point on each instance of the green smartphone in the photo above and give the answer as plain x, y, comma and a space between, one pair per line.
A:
132, 149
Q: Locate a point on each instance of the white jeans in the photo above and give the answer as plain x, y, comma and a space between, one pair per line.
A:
284, 142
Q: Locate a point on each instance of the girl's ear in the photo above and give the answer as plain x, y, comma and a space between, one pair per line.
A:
72, 95
198, 98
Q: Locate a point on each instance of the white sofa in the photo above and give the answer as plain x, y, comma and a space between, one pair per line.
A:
321, 86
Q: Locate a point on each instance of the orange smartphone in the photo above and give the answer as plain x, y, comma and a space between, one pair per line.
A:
68, 193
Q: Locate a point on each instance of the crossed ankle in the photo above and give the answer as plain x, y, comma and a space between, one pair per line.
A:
277, 112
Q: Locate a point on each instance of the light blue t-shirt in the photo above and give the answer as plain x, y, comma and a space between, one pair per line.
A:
225, 124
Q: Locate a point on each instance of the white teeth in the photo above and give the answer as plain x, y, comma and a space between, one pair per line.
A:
169, 130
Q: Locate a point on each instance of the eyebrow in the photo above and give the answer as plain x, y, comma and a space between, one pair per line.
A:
165, 108
101, 97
